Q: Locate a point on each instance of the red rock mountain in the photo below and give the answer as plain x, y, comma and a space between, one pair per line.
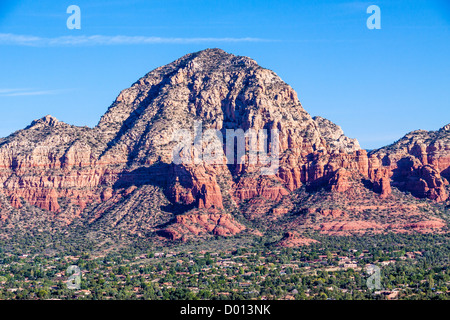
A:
120, 174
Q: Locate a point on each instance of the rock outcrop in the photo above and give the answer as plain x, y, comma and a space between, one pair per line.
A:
335, 137
197, 224
103, 171
419, 163
293, 240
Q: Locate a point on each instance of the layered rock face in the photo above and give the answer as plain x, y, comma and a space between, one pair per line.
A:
69, 170
50, 160
418, 163
292, 240
195, 224
335, 137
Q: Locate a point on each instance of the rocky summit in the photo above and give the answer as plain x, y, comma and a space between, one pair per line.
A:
120, 177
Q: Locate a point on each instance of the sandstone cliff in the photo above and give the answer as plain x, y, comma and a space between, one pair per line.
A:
120, 174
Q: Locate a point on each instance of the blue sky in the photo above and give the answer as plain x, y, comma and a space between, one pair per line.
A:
376, 84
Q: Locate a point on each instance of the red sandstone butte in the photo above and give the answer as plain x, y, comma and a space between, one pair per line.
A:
106, 171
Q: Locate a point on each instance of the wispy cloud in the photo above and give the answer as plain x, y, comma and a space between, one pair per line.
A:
4, 91
28, 40
26, 92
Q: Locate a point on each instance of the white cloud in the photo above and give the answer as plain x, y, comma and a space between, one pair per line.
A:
26, 40
26, 92
2, 91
